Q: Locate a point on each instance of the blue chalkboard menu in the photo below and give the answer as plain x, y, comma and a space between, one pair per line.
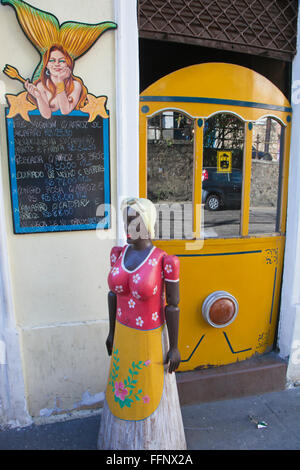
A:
59, 172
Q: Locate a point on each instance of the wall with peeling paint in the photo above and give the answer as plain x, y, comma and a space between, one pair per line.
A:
58, 281
66, 366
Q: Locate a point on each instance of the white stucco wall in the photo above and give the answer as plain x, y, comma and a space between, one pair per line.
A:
13, 403
289, 325
57, 282
127, 81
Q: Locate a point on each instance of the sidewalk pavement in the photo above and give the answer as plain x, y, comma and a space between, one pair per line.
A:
222, 425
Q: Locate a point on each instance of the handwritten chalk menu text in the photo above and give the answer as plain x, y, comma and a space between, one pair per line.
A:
59, 172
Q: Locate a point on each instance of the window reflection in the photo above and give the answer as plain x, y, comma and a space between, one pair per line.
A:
265, 192
170, 167
222, 175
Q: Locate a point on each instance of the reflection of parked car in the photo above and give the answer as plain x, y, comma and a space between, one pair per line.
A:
221, 190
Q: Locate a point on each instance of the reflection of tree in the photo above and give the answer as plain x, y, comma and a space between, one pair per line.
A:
185, 127
223, 131
266, 139
268, 134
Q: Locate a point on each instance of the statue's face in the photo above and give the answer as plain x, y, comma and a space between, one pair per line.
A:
57, 63
134, 226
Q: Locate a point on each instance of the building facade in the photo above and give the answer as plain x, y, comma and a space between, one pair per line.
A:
53, 283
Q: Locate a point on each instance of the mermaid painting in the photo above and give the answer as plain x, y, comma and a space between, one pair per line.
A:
53, 86
57, 88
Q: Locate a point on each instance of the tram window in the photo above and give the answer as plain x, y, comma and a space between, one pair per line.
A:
222, 175
267, 159
170, 167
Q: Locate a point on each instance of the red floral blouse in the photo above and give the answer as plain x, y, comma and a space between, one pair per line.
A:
140, 293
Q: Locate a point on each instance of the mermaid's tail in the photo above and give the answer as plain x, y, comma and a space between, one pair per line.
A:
40, 27
78, 38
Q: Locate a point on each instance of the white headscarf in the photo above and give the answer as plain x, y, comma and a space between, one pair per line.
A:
145, 208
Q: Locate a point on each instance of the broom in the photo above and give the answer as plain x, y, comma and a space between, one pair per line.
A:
13, 73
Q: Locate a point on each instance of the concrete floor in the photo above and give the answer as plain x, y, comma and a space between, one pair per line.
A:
220, 425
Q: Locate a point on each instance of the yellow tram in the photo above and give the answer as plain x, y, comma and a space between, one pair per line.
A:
232, 122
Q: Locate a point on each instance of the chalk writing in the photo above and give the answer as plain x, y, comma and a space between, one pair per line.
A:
58, 172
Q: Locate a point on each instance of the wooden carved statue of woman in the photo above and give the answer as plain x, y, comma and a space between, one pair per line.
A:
141, 409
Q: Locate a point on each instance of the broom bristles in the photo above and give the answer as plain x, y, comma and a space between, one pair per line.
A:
13, 73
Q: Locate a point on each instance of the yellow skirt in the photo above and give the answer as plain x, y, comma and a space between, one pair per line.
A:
136, 375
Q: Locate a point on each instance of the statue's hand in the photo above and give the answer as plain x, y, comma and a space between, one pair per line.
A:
173, 358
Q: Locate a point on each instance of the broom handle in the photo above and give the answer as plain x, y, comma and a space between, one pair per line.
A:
18, 77
21, 79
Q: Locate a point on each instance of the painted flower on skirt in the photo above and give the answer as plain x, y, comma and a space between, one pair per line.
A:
119, 312
127, 392
168, 268
120, 391
154, 290
139, 321
113, 258
131, 303
119, 289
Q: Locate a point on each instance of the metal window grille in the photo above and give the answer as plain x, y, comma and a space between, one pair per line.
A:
261, 27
